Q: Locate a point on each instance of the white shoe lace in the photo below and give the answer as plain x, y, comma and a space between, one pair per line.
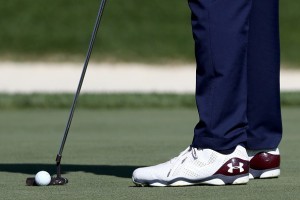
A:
182, 157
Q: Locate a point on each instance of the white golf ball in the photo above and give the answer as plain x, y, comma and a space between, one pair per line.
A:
42, 178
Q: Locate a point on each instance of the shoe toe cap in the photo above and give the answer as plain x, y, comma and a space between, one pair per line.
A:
141, 174
148, 174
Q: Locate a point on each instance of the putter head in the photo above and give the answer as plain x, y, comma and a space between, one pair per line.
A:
54, 181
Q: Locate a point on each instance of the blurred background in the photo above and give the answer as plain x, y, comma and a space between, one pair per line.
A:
141, 47
132, 31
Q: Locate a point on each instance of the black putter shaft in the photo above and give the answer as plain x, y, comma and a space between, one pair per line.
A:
87, 59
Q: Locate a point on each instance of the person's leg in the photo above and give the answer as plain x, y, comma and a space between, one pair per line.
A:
220, 29
263, 112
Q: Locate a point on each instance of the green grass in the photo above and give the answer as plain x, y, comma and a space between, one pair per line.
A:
132, 31
104, 147
290, 31
113, 101
97, 101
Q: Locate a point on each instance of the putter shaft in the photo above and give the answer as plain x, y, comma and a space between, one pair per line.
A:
87, 59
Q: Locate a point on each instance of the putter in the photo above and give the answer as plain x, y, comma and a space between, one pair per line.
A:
59, 180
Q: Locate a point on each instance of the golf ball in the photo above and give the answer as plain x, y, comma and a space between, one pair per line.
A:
42, 178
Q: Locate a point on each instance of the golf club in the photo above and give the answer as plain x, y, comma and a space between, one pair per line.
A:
59, 180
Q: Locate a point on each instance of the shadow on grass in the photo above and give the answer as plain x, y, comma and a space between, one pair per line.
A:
116, 170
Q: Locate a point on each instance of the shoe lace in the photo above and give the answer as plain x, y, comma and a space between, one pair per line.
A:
182, 157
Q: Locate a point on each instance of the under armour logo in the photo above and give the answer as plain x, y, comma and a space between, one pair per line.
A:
231, 167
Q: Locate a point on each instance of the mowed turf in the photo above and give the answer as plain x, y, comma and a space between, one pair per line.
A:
105, 146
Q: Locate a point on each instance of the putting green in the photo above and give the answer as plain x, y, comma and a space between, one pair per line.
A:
105, 146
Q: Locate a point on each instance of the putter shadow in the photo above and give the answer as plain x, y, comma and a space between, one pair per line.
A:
111, 170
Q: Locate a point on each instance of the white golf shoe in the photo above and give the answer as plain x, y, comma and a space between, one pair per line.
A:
197, 166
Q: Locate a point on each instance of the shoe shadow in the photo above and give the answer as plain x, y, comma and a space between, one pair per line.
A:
111, 170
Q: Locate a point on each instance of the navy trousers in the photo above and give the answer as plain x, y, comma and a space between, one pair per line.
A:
238, 60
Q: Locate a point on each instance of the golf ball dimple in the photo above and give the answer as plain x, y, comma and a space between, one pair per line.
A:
42, 178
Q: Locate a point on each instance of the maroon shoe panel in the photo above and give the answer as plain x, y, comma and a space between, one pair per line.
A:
233, 167
262, 161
